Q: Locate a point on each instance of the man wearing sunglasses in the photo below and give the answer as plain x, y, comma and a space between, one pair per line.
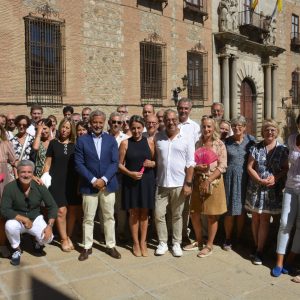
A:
115, 129
20, 206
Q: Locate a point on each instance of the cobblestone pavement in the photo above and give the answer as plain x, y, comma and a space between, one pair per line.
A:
59, 275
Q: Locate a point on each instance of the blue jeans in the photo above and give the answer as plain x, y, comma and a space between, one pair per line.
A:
289, 215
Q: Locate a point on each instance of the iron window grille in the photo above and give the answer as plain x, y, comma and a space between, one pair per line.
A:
45, 61
197, 71
153, 69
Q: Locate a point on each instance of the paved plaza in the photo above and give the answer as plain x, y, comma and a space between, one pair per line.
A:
59, 275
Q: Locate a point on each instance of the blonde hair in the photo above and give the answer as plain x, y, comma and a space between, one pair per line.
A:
269, 123
73, 129
215, 135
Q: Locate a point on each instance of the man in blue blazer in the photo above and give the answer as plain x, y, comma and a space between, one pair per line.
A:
96, 160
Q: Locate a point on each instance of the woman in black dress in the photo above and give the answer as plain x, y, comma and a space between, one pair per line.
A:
60, 165
137, 166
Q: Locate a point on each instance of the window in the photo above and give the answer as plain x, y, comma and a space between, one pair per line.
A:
152, 72
45, 61
197, 5
295, 87
295, 26
197, 76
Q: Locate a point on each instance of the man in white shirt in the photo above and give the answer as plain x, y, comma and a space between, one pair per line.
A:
191, 130
151, 126
187, 126
36, 113
175, 167
115, 124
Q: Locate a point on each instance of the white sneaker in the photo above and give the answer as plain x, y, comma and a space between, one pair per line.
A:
177, 251
161, 249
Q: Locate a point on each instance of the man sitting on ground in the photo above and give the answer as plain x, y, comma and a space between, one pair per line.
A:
20, 206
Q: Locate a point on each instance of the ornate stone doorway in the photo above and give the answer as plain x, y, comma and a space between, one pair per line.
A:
247, 104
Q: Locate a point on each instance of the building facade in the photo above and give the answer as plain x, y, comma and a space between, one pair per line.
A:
102, 53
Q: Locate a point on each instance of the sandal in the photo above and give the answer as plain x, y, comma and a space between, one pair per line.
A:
191, 247
296, 279
65, 246
206, 251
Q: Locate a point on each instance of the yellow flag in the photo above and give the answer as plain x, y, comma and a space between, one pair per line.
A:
279, 5
254, 4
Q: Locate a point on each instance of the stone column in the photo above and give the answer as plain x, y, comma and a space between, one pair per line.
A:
274, 91
268, 91
233, 87
225, 85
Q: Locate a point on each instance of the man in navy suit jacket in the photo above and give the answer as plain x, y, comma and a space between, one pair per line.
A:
96, 160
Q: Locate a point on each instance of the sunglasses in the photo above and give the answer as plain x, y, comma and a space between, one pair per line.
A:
116, 122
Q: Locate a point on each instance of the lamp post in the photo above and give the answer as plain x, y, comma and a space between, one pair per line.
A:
179, 89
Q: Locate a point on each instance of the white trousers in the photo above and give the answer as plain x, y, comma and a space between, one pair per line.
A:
105, 201
14, 229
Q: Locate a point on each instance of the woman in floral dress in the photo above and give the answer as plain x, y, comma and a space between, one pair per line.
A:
267, 167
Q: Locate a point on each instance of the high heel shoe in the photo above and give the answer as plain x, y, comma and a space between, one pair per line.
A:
144, 249
136, 250
70, 244
65, 246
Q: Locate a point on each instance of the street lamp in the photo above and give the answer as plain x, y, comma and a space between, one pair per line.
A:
179, 89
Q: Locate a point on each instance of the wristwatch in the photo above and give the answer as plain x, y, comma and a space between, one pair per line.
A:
188, 183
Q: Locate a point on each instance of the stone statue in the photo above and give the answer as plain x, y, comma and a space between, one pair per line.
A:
270, 38
224, 15
234, 15
228, 15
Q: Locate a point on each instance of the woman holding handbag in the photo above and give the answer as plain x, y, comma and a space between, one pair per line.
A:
267, 167
60, 165
208, 195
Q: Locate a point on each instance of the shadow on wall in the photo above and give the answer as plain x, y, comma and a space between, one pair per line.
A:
291, 125
40, 290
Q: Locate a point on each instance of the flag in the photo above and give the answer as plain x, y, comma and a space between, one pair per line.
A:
254, 4
279, 5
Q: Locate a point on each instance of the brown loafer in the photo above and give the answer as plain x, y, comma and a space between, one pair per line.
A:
113, 252
85, 254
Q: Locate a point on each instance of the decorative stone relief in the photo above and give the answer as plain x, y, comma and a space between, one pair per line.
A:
270, 38
228, 15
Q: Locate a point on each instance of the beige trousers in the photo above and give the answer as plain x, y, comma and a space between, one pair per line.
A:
105, 203
174, 197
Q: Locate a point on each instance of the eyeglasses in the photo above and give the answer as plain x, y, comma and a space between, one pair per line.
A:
122, 111
116, 122
22, 125
237, 126
126, 122
151, 123
269, 130
10, 120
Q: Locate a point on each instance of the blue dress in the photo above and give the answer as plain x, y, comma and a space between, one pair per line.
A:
236, 176
262, 199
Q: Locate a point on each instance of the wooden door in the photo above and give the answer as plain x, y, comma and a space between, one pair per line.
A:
247, 105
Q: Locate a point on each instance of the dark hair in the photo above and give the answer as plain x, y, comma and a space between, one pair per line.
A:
68, 108
298, 120
47, 122
22, 117
82, 124
36, 107
53, 117
138, 119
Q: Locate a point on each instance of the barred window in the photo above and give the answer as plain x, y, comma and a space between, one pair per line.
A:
197, 76
45, 61
295, 88
152, 72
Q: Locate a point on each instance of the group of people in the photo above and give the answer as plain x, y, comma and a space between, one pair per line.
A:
162, 166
